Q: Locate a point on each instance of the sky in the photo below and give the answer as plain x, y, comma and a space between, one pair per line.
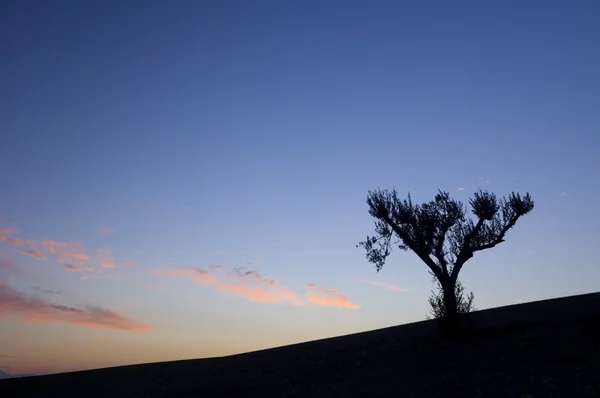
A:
189, 179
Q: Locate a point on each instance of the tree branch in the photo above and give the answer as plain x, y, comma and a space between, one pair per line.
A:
439, 249
500, 237
468, 251
412, 245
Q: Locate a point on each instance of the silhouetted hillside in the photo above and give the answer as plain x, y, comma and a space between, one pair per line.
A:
4, 375
547, 348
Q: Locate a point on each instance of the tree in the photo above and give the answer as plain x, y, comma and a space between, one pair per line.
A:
440, 233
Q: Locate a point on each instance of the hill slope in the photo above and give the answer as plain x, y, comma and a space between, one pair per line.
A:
547, 348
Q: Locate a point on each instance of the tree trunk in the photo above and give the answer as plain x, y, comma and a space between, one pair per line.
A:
451, 323
450, 299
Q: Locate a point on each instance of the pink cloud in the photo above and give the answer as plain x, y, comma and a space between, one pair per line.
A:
256, 287
96, 275
71, 268
64, 251
131, 263
264, 293
32, 310
106, 231
4, 231
39, 254
105, 258
248, 284
328, 297
5, 236
198, 275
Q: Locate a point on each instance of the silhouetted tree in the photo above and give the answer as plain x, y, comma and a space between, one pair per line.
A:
439, 232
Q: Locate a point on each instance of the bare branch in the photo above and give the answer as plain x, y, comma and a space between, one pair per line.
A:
486, 236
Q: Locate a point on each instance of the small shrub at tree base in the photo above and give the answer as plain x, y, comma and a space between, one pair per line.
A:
438, 310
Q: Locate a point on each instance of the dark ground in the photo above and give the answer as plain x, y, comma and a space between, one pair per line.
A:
548, 348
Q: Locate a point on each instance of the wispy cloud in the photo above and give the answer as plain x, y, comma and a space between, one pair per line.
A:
383, 284
263, 293
39, 254
6, 356
562, 193
63, 251
105, 231
105, 258
198, 275
484, 181
6, 236
71, 268
6, 232
33, 310
248, 284
96, 275
41, 290
460, 189
72, 254
131, 263
256, 287
328, 297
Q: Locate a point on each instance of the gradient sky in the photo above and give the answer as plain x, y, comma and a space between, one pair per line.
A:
188, 179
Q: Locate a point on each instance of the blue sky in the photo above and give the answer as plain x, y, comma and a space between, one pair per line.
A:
147, 139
